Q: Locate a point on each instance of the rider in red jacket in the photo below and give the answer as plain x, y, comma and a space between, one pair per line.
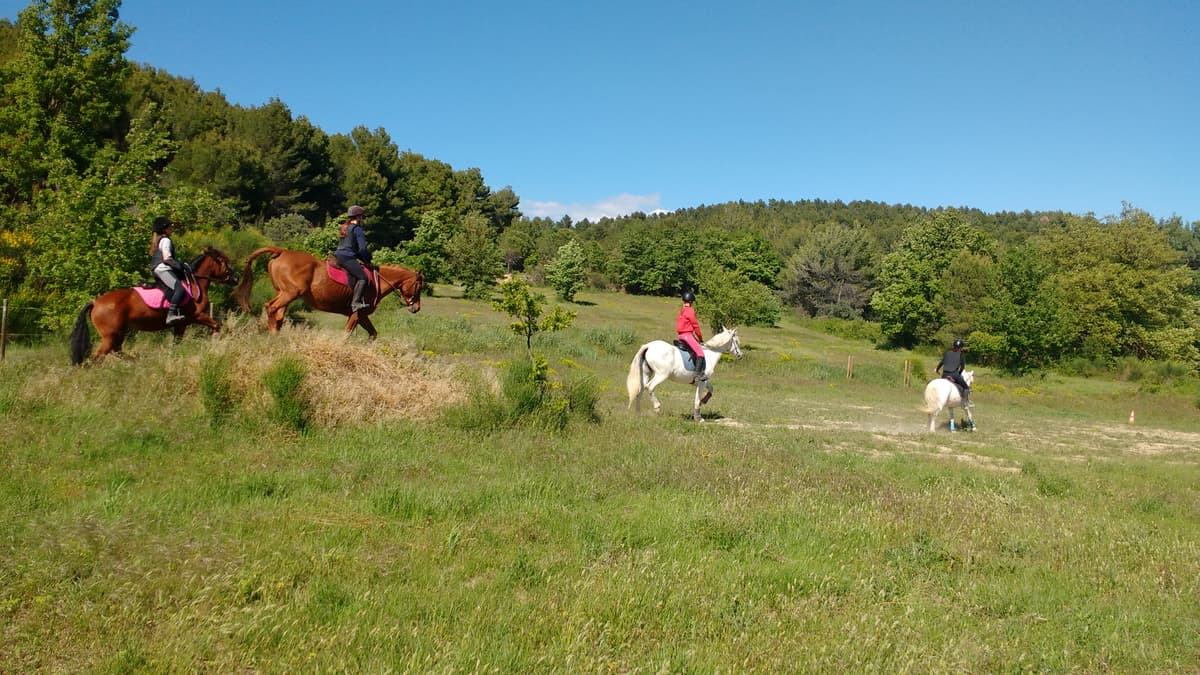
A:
689, 332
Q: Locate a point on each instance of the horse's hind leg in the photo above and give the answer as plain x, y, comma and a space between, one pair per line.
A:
276, 310
654, 382
276, 313
110, 343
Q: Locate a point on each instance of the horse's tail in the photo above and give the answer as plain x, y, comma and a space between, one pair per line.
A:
81, 337
933, 399
241, 292
634, 382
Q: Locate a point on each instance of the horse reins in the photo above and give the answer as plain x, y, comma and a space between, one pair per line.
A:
400, 289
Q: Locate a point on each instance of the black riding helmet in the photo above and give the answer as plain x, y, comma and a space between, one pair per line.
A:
958, 344
688, 296
161, 224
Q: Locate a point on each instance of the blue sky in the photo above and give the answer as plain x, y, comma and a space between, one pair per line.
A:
604, 108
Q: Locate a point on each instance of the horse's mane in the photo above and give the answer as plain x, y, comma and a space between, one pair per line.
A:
212, 252
720, 340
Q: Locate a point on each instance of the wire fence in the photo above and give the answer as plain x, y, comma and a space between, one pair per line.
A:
19, 323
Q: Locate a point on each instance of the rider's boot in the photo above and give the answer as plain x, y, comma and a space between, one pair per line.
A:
701, 369
173, 314
356, 302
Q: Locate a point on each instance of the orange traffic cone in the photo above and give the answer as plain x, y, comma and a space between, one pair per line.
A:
1131, 417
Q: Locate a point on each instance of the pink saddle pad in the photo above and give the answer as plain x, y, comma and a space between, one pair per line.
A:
156, 299
339, 275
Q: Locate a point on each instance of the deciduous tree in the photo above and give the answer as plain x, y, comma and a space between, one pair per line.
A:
911, 279
566, 273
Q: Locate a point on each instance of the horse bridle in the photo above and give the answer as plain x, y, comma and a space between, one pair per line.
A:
229, 276
408, 302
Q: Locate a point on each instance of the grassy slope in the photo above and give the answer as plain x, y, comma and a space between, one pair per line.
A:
809, 524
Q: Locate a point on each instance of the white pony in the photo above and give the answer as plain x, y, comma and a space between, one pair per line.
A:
942, 393
658, 361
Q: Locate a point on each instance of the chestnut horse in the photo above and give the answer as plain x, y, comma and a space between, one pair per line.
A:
296, 274
117, 313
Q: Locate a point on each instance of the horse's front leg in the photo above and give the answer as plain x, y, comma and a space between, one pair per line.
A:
204, 320
360, 319
970, 418
696, 403
708, 392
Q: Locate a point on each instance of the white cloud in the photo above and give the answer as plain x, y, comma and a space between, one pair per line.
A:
610, 207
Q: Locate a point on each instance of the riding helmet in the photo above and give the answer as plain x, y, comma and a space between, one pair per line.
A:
958, 344
688, 296
355, 210
161, 224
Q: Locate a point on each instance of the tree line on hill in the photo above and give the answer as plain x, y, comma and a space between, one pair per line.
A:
93, 147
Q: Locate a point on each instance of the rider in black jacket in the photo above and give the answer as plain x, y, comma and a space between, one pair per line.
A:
951, 367
352, 247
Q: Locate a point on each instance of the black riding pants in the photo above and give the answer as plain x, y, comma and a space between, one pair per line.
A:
352, 267
957, 379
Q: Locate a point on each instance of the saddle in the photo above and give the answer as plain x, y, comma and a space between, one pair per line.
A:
338, 274
951, 380
689, 358
157, 296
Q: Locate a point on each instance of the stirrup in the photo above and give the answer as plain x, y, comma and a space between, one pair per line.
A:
173, 318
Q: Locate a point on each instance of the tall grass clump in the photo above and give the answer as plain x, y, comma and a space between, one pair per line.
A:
849, 329
612, 340
528, 396
285, 382
216, 390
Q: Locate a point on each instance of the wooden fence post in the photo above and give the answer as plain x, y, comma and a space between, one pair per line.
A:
3, 328
850, 367
907, 373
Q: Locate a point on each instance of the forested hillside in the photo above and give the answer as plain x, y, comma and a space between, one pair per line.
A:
93, 148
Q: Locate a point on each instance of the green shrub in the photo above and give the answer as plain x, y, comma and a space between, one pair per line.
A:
528, 397
850, 329
216, 390
582, 397
285, 382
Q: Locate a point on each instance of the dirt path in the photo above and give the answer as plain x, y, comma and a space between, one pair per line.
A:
896, 434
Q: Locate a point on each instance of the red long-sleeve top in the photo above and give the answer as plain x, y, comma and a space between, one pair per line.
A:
686, 322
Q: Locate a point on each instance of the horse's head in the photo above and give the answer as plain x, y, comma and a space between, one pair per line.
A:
969, 377
735, 343
726, 342
214, 265
408, 283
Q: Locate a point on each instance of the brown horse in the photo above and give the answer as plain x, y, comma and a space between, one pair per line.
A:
118, 312
296, 274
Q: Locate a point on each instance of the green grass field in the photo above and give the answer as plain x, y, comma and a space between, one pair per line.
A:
157, 513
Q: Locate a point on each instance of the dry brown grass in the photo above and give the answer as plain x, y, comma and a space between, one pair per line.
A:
348, 381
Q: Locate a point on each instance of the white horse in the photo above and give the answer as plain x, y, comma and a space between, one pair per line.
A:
942, 393
658, 361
